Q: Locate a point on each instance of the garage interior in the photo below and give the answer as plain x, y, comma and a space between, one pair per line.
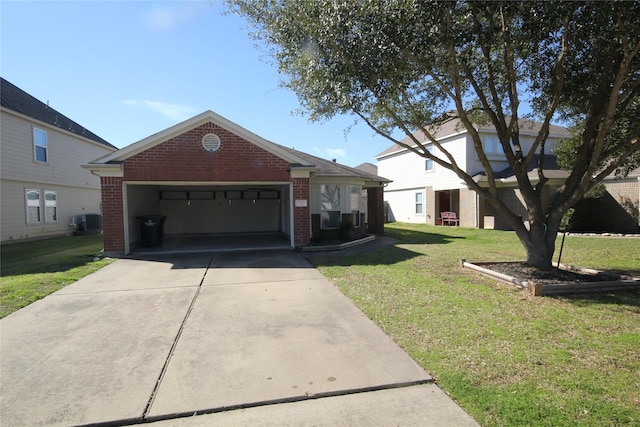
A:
203, 217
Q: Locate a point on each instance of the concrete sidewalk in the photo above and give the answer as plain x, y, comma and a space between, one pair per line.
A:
253, 338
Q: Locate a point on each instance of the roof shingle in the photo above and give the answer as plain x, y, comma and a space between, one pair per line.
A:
14, 98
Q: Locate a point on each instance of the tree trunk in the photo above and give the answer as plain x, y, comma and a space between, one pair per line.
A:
539, 246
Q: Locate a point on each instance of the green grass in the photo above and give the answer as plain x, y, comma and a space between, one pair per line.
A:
32, 270
509, 359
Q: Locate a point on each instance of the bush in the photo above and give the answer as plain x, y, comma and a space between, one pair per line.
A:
344, 230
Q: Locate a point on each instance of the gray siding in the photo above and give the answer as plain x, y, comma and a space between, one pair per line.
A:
78, 190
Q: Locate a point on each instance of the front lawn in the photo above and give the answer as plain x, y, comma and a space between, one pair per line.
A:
506, 357
32, 270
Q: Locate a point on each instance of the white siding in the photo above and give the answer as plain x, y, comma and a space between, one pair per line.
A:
402, 205
78, 189
444, 179
71, 201
407, 169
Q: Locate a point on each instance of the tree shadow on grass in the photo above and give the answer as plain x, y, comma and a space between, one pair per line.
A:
623, 300
54, 265
384, 250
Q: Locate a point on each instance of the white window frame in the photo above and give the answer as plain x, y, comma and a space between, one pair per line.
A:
32, 203
429, 165
356, 191
492, 146
419, 203
50, 204
37, 144
329, 206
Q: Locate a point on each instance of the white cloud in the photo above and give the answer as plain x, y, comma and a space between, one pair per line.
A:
330, 153
173, 111
160, 19
335, 152
166, 18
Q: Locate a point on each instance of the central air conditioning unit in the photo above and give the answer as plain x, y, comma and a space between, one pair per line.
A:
88, 223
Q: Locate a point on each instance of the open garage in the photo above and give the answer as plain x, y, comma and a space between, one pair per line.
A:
206, 209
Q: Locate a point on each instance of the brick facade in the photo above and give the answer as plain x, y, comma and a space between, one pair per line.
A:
375, 209
301, 214
112, 215
184, 159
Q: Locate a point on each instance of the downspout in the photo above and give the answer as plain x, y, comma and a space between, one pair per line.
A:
125, 219
478, 210
291, 217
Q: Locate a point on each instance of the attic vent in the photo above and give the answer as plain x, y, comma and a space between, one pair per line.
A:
211, 142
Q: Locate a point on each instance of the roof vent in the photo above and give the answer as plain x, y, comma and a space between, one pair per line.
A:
211, 142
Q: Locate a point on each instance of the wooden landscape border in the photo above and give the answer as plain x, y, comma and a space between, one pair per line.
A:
617, 282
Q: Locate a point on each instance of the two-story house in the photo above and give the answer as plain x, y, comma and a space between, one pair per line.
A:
43, 185
420, 189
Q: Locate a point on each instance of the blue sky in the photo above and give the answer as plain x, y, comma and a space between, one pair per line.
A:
128, 69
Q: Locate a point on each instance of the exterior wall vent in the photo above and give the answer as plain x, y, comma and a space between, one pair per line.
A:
211, 142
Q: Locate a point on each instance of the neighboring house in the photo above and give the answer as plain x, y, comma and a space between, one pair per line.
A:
42, 183
617, 210
420, 189
207, 175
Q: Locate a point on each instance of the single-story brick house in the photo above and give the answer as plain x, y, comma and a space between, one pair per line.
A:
208, 175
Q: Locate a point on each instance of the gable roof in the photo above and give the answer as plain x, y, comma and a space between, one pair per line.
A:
368, 167
297, 159
15, 99
455, 127
507, 176
329, 168
192, 123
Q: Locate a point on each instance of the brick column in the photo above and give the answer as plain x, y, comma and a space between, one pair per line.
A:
301, 214
112, 219
375, 209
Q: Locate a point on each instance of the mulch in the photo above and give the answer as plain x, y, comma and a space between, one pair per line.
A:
521, 270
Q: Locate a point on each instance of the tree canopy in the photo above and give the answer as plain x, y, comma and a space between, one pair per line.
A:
411, 65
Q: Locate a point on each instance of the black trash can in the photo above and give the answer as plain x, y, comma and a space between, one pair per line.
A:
151, 229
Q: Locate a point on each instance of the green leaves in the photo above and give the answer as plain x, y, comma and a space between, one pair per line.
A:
406, 64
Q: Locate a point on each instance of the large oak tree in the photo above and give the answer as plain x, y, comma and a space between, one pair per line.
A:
409, 65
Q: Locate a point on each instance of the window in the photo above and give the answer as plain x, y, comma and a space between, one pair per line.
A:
428, 164
40, 145
418, 203
50, 206
329, 206
492, 146
356, 204
33, 206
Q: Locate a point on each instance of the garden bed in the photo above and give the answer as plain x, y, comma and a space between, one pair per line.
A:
564, 279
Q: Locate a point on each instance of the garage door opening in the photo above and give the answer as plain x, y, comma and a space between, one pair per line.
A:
211, 217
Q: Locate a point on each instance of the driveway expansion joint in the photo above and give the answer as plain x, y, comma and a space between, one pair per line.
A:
163, 371
284, 400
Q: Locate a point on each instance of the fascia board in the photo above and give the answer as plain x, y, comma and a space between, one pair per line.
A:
109, 169
441, 139
303, 171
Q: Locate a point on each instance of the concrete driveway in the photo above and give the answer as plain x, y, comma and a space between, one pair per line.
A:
241, 338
